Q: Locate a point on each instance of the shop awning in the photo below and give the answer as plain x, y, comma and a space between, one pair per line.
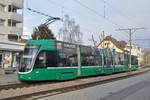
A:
11, 46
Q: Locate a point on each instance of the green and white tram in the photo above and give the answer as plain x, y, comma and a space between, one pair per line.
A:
56, 60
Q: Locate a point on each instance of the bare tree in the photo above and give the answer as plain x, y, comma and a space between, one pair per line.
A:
70, 32
94, 42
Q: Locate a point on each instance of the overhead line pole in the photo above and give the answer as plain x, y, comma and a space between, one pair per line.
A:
131, 31
142, 39
104, 9
103, 35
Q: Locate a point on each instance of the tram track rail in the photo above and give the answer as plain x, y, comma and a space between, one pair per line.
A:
23, 84
77, 87
20, 84
56, 91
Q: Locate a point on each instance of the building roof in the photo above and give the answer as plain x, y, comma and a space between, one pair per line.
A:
119, 44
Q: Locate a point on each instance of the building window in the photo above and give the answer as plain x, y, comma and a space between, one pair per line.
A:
14, 23
2, 22
134, 60
2, 7
138, 48
11, 23
12, 8
13, 37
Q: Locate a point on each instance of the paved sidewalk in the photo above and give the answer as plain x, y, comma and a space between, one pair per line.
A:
8, 78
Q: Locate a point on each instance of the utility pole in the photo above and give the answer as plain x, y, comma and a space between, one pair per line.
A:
104, 9
142, 39
103, 35
131, 31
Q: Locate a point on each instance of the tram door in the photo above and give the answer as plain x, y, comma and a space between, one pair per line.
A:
44, 62
108, 58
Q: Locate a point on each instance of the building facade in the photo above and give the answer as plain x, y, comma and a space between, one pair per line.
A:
112, 43
11, 29
146, 57
11, 19
136, 51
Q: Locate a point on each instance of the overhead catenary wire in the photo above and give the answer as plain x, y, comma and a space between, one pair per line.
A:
123, 15
41, 13
46, 15
49, 20
97, 13
57, 5
72, 10
62, 6
85, 17
69, 9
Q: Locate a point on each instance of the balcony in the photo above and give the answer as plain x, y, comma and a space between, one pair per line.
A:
11, 15
15, 30
15, 16
17, 3
11, 30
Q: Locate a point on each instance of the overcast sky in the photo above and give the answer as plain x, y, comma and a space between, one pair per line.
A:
89, 14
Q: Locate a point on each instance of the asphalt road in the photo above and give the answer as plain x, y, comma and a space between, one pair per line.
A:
134, 88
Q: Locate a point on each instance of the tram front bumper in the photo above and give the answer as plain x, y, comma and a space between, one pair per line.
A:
26, 77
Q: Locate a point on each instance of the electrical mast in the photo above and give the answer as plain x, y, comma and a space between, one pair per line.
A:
103, 35
131, 31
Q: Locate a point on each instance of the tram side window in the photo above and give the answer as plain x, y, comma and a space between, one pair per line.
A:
51, 59
116, 59
98, 59
121, 59
67, 58
40, 60
108, 58
91, 56
108, 61
126, 57
46, 59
